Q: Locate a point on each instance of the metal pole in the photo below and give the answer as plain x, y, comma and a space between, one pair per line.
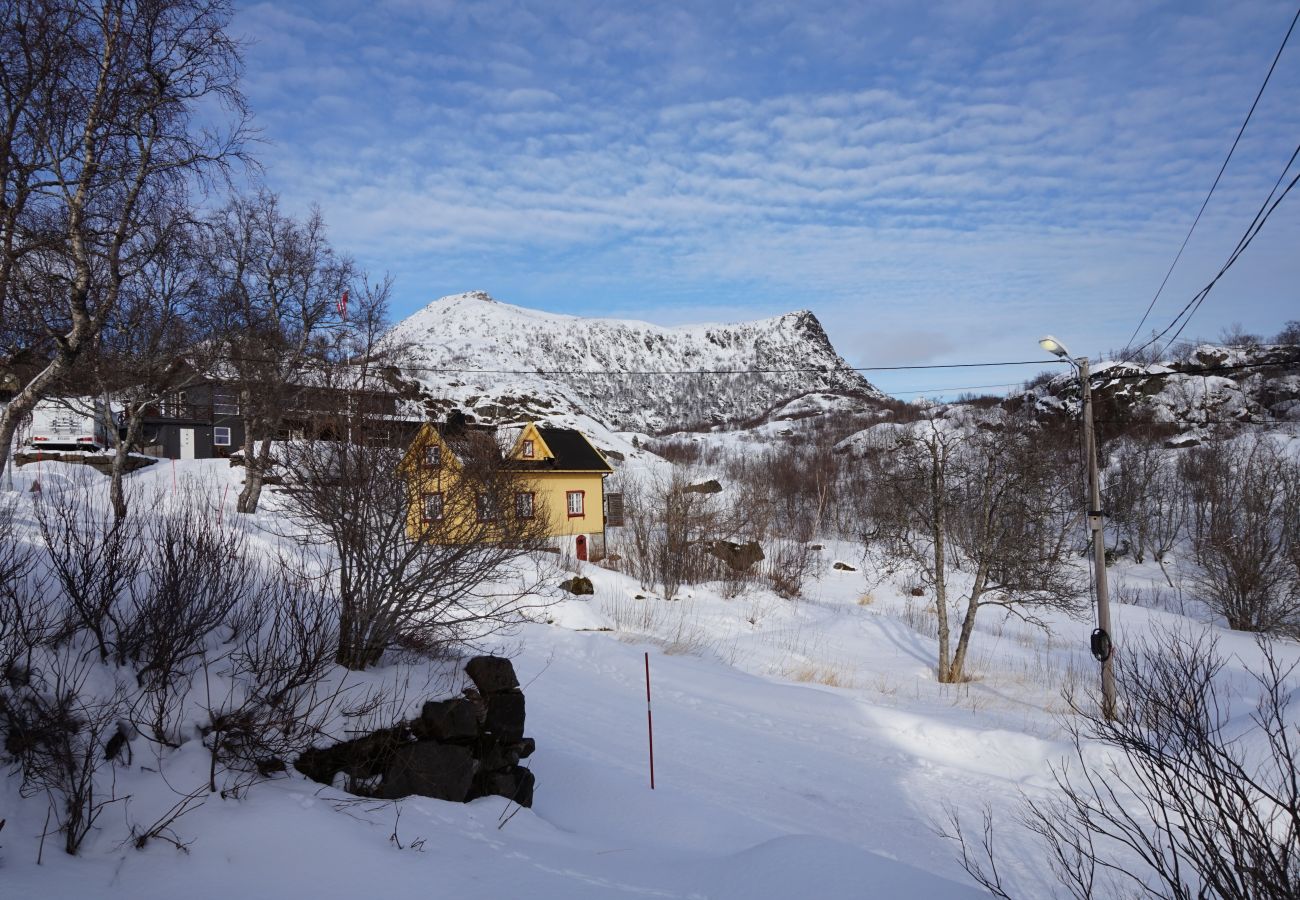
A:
1102, 645
649, 721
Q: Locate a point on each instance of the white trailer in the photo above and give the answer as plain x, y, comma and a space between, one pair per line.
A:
70, 423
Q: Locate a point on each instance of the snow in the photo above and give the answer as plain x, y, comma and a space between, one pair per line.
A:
506, 362
802, 748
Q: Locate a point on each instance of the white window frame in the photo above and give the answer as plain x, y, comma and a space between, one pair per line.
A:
485, 508
581, 498
216, 436
529, 451
531, 502
432, 456
225, 403
433, 499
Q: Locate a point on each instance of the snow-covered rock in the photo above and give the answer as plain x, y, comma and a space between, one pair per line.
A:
505, 363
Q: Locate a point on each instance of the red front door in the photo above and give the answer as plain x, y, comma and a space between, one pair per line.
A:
582, 547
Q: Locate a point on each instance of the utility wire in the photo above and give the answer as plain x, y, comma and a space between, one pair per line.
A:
1270, 204
807, 370
1217, 177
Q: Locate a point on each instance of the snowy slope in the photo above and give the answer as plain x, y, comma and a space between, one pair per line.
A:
803, 749
542, 364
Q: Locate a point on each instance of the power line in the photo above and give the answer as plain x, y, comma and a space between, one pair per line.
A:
1269, 205
1217, 177
807, 370
948, 390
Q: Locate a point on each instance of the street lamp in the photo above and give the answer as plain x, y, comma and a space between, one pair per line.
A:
1102, 647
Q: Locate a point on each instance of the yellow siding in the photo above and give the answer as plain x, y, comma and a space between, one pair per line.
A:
552, 489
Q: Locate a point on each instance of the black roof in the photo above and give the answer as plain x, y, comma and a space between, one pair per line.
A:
573, 453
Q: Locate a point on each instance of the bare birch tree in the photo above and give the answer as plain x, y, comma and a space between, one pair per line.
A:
993, 500
97, 127
280, 286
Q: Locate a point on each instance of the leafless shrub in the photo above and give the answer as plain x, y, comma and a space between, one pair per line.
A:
398, 581
95, 558
56, 732
1196, 802
27, 618
1243, 498
787, 566
668, 528
274, 702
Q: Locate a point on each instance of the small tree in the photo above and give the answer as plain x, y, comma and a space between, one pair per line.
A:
140, 357
403, 575
994, 502
1242, 496
97, 107
279, 286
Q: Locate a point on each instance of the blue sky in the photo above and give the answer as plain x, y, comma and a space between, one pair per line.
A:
938, 182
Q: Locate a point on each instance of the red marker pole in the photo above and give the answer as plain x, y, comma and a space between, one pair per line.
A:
649, 721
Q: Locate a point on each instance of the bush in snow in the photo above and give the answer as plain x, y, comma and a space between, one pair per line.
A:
1189, 800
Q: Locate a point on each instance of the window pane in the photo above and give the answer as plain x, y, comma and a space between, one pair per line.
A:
225, 403
432, 507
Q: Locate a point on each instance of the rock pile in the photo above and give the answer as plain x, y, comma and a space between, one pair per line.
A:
457, 749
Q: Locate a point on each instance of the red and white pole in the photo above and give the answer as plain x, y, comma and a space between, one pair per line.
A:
649, 721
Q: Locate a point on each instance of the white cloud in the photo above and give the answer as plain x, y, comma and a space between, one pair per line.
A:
963, 161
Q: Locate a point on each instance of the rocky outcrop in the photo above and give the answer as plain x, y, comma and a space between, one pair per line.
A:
578, 586
738, 557
456, 749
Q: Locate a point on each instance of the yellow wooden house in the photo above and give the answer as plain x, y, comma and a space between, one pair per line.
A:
555, 475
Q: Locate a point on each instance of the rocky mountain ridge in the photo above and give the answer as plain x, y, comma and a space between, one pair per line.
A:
505, 363
1210, 387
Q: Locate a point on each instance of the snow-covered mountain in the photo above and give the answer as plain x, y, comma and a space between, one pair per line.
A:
504, 362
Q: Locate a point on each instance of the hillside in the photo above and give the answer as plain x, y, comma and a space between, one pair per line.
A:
505, 362
1183, 399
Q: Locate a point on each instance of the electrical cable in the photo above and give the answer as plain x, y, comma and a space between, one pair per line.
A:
1217, 177
1252, 231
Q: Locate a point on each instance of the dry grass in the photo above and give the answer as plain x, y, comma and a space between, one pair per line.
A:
866, 599
815, 673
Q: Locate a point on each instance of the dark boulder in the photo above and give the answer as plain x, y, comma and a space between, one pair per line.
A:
844, 567
578, 586
738, 557
364, 757
712, 486
441, 771
449, 721
516, 783
492, 674
505, 717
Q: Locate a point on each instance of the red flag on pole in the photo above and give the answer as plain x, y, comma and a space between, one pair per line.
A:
343, 305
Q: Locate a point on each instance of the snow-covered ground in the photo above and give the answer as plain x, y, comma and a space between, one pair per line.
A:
802, 748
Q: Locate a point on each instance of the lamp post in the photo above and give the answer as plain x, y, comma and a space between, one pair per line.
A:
1101, 644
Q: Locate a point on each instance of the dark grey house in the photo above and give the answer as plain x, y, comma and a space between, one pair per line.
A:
205, 420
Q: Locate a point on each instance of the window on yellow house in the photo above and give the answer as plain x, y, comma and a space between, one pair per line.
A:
432, 456
528, 450
433, 507
487, 508
576, 500
525, 504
